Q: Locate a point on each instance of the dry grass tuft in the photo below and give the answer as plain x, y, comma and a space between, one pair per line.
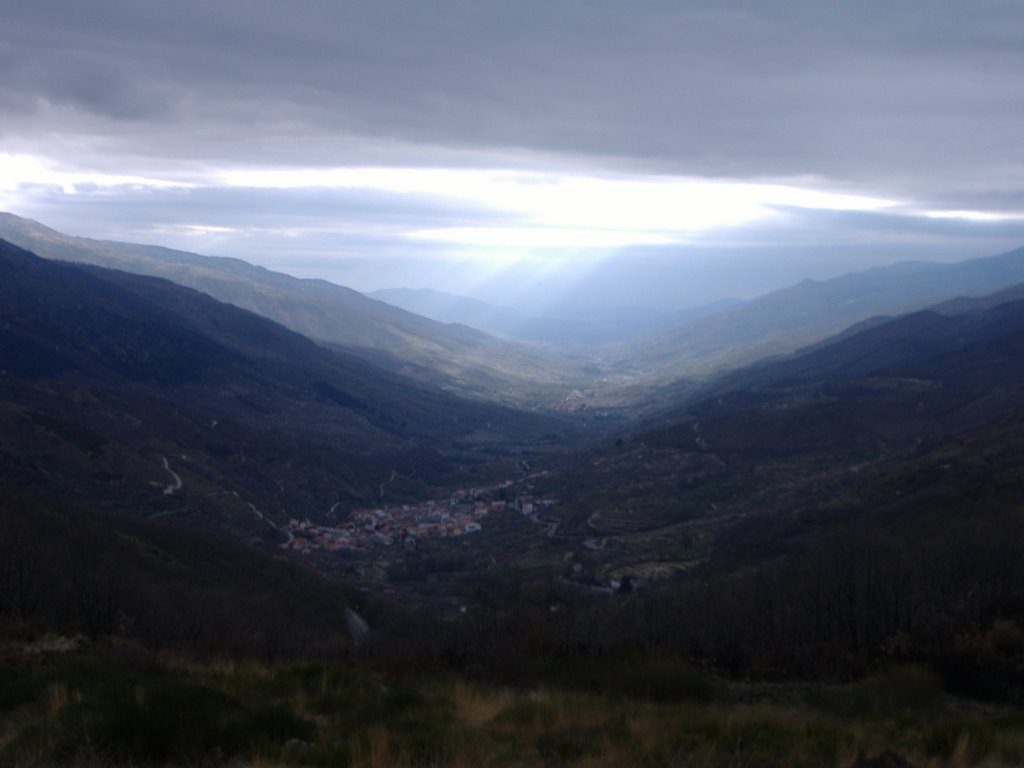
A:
476, 706
375, 750
57, 698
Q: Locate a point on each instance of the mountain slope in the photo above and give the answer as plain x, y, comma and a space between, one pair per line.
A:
453, 356
138, 394
924, 410
785, 320
968, 340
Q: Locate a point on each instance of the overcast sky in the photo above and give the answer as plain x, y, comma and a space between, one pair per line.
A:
657, 152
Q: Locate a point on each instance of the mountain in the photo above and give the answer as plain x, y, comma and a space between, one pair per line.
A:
805, 430
820, 515
453, 356
788, 319
136, 394
924, 375
964, 304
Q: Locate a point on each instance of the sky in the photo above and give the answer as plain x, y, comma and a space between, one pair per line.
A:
540, 153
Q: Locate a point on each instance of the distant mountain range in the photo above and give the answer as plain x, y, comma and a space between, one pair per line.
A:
621, 357
959, 364
785, 320
580, 329
453, 356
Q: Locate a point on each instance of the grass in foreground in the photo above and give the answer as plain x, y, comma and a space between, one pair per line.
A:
112, 707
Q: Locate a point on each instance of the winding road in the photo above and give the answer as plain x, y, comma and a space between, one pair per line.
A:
174, 486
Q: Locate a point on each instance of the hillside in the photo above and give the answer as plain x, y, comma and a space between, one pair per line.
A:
135, 394
453, 356
788, 319
866, 397
748, 514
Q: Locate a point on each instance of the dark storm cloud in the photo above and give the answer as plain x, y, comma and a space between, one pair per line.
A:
902, 95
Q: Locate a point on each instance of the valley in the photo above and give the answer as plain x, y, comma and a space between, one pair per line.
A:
237, 488
511, 384
327, 451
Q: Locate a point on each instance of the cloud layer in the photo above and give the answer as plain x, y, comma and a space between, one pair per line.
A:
144, 111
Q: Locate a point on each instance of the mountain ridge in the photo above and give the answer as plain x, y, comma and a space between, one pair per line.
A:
456, 357
812, 310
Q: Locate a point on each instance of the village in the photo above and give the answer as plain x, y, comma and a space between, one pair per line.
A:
460, 514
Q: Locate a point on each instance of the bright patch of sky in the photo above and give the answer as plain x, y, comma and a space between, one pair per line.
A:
975, 215
550, 211
18, 171
502, 234
528, 212
571, 211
